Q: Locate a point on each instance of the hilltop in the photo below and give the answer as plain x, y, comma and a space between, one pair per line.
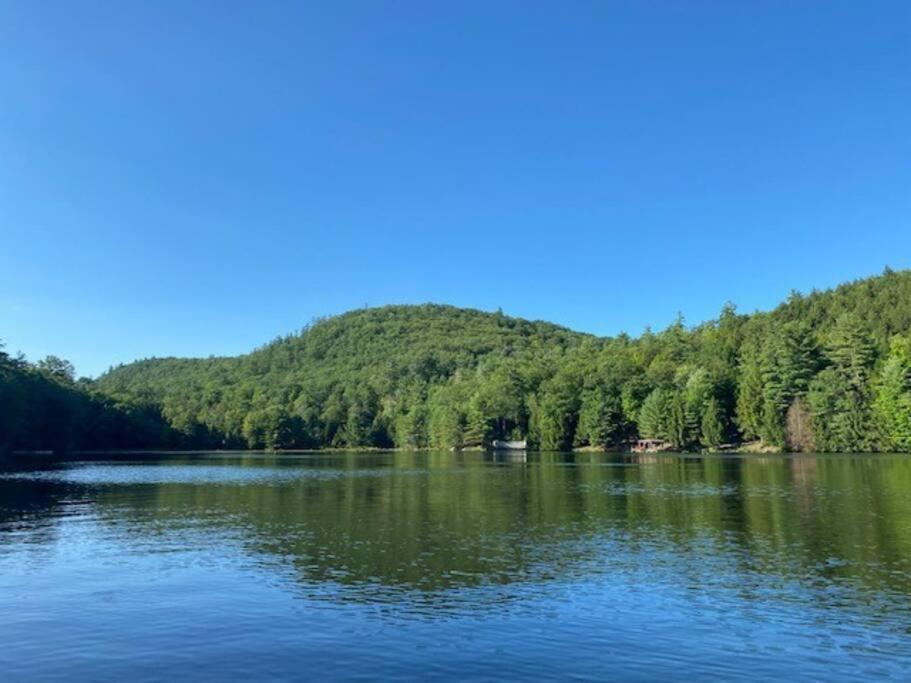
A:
346, 377
828, 370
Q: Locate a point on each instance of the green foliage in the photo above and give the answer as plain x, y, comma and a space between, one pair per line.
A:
750, 393
42, 408
558, 411
851, 352
678, 428
787, 363
57, 369
442, 377
698, 392
892, 403
840, 399
653, 415
601, 422
447, 421
839, 422
272, 428
712, 425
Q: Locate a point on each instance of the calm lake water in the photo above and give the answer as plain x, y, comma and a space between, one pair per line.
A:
473, 566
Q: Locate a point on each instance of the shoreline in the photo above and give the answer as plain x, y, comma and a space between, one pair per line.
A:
75, 455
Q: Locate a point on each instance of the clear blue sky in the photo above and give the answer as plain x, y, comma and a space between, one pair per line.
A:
189, 178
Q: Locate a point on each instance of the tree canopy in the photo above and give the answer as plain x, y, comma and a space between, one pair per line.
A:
826, 371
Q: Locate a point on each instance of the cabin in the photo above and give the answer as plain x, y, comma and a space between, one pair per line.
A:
650, 446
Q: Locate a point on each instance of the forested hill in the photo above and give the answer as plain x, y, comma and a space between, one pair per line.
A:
427, 342
826, 371
362, 378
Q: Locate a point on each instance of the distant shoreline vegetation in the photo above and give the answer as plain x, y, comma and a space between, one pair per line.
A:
825, 372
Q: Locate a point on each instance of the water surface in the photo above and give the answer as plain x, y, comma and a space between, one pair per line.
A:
469, 566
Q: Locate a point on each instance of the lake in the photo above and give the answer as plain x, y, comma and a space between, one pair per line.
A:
468, 566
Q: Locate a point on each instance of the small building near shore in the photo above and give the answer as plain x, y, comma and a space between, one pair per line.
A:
650, 446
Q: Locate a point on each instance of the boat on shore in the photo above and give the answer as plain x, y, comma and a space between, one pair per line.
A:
499, 445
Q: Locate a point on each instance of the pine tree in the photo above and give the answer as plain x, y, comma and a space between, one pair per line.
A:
712, 427
840, 400
677, 425
851, 352
600, 417
558, 416
892, 402
787, 363
749, 395
698, 392
654, 422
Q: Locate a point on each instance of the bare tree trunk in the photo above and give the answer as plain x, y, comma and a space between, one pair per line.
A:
798, 435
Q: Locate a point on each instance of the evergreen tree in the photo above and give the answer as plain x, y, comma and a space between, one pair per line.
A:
713, 428
892, 403
411, 428
600, 417
787, 364
558, 407
447, 417
749, 395
698, 392
654, 415
840, 395
678, 432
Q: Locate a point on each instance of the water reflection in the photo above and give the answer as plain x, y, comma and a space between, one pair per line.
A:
457, 565
431, 522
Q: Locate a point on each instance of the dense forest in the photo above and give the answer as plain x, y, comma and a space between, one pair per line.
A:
828, 371
42, 407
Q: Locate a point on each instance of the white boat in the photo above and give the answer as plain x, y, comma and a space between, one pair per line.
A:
509, 445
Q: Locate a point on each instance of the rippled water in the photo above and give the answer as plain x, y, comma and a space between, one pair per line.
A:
457, 566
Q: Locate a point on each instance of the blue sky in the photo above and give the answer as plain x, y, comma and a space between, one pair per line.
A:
189, 178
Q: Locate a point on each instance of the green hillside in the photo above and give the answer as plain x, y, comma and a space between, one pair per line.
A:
358, 379
825, 371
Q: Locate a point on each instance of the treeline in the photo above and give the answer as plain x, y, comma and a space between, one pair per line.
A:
43, 407
830, 371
